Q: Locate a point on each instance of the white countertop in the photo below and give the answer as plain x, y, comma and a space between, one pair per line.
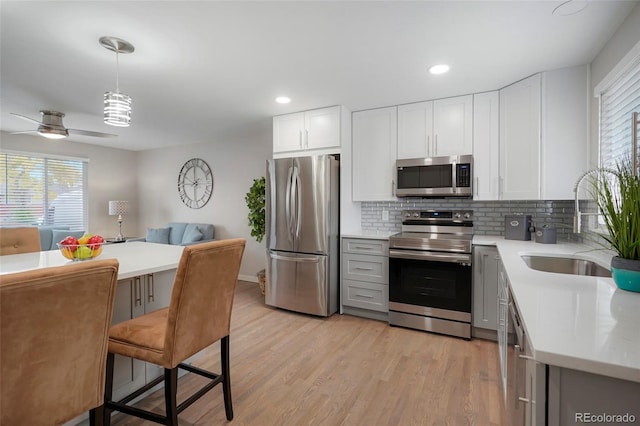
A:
135, 258
578, 322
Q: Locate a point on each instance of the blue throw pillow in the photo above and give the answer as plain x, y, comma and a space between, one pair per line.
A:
60, 234
159, 235
192, 235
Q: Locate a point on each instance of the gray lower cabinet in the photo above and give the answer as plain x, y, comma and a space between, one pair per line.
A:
577, 397
134, 297
365, 278
485, 292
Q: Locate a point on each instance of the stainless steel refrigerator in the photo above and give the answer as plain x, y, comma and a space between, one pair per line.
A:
302, 217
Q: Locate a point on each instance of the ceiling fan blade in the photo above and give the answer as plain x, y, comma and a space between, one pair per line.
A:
24, 117
23, 132
90, 133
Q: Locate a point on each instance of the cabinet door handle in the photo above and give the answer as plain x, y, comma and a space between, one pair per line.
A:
300, 138
477, 185
368, 296
435, 145
363, 269
137, 291
428, 146
150, 289
393, 187
363, 248
306, 143
500, 185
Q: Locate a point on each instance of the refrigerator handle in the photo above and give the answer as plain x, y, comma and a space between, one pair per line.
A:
295, 259
287, 203
299, 202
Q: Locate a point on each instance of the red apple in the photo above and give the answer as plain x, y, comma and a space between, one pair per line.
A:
70, 242
95, 242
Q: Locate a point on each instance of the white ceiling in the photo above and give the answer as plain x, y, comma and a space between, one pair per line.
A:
205, 70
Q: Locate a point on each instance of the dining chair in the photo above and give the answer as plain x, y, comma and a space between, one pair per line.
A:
19, 240
198, 315
54, 329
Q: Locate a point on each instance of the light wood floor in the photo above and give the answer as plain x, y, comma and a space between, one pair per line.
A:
294, 369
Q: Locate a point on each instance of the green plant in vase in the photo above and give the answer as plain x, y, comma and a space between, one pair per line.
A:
618, 200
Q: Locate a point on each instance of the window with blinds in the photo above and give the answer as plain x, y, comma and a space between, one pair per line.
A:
618, 101
40, 190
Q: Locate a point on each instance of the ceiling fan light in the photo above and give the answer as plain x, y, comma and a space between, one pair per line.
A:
52, 133
117, 109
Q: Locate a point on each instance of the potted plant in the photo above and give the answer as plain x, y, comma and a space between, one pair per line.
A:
618, 200
255, 203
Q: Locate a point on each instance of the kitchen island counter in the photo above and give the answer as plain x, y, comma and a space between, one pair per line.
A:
135, 258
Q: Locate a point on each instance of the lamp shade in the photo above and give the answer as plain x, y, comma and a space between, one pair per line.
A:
118, 208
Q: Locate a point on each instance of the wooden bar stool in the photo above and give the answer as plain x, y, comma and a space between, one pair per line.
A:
19, 240
54, 329
198, 315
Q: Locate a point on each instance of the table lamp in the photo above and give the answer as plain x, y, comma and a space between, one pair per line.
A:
119, 208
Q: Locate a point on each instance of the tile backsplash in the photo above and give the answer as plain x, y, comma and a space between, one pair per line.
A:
488, 216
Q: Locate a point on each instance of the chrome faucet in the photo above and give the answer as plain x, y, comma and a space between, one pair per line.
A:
577, 217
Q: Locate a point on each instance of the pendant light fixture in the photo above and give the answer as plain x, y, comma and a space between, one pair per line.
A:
117, 106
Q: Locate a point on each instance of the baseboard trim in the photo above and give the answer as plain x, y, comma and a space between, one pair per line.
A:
250, 278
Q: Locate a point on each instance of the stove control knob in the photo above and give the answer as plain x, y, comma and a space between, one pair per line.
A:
456, 215
467, 215
407, 214
416, 214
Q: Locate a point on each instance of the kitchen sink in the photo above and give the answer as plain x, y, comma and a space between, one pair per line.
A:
565, 265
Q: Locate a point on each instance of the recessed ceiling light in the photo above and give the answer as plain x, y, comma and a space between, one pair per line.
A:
570, 7
439, 69
283, 100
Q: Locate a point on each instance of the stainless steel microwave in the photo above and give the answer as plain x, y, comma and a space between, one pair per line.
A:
449, 176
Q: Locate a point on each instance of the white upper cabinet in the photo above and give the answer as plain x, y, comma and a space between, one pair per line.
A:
520, 140
543, 136
287, 132
434, 128
453, 126
316, 129
415, 130
565, 133
486, 145
374, 154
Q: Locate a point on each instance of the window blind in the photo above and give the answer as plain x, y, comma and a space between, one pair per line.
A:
39, 190
617, 103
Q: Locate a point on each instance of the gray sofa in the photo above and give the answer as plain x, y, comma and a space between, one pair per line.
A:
179, 233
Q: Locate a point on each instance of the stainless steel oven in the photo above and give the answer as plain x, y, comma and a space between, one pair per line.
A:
430, 272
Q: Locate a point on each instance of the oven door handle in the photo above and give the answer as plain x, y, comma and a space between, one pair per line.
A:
425, 255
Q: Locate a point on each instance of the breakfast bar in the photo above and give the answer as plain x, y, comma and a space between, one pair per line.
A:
135, 258
145, 279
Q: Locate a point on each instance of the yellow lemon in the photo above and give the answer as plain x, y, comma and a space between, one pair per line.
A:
84, 239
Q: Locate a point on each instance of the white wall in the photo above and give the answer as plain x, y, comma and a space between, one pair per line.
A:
624, 39
112, 176
235, 162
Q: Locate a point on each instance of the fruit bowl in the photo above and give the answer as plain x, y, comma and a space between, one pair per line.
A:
80, 251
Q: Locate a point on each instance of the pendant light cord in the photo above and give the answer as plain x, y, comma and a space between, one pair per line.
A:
117, 73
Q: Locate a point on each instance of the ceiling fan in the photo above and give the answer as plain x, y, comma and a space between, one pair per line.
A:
51, 127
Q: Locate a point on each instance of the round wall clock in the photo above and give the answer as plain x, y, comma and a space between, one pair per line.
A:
195, 183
